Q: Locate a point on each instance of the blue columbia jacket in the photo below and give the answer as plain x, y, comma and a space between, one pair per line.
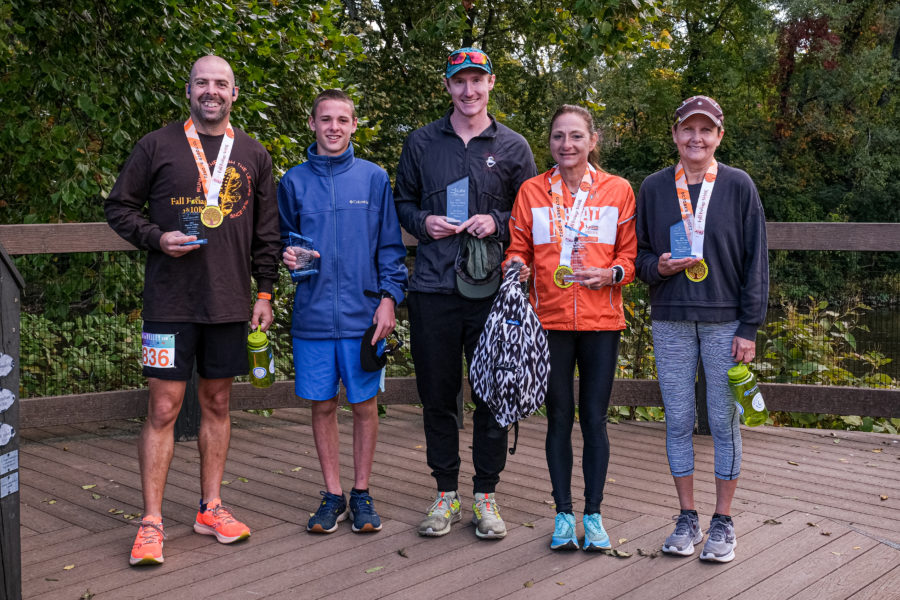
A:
344, 204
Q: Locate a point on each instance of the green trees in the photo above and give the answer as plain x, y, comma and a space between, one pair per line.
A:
544, 53
809, 91
82, 81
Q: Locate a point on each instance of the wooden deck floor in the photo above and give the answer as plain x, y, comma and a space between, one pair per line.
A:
810, 512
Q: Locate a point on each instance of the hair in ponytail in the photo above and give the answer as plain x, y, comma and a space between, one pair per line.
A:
594, 155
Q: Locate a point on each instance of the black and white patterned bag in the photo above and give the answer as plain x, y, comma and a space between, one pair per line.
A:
511, 365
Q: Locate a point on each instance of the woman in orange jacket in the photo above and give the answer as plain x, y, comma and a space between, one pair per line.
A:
573, 228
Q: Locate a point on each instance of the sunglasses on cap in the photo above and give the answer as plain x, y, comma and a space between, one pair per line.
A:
475, 57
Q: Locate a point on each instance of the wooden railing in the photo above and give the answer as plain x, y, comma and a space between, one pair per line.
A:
96, 237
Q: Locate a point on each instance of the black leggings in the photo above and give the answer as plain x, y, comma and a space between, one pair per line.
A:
595, 353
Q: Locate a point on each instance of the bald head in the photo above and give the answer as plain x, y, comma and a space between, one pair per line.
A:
211, 92
213, 62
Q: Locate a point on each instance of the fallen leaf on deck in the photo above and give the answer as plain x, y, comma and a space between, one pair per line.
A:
837, 441
402, 552
243, 480
622, 540
278, 472
877, 450
529, 583
843, 460
771, 522
824, 533
790, 462
883, 497
648, 553
95, 496
616, 552
374, 569
528, 524
560, 583
857, 547
611, 480
550, 502
226, 482
52, 502
87, 595
50, 579
295, 469
68, 567
836, 553
812, 524
89, 487
419, 447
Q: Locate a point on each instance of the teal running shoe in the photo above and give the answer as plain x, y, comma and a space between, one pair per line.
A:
564, 537
595, 537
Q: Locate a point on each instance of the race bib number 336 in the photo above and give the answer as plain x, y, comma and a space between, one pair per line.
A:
158, 350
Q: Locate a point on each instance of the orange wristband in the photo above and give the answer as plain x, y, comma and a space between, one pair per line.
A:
264, 296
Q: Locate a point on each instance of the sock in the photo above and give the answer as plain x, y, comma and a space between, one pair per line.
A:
726, 518
365, 491
689, 512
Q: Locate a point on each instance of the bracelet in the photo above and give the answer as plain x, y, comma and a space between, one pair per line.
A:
264, 296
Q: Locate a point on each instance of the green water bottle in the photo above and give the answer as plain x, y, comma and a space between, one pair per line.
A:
262, 364
747, 397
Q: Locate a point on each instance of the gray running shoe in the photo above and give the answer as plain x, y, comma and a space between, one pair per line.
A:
487, 521
720, 544
444, 511
687, 533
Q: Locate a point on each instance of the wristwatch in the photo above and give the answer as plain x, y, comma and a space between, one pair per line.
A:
618, 274
387, 294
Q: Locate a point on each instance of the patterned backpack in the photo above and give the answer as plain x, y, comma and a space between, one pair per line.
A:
511, 365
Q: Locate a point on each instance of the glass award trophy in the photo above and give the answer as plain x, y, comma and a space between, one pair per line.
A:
679, 244
577, 275
458, 201
190, 224
307, 257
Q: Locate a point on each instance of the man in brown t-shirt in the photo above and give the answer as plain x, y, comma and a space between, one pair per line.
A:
199, 197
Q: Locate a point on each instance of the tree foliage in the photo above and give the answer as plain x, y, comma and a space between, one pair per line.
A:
82, 81
543, 52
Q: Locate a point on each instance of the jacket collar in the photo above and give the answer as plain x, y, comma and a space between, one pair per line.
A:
329, 165
447, 126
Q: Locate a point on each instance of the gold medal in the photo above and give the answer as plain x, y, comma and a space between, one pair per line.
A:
212, 216
698, 272
560, 274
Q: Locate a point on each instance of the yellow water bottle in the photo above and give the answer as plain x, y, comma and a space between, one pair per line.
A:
749, 400
262, 364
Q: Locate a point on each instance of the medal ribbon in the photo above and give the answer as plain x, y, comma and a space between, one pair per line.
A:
694, 224
211, 183
569, 233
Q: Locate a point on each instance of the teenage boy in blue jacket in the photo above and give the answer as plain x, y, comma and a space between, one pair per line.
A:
345, 205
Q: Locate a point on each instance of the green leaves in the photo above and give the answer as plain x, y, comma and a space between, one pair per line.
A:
83, 81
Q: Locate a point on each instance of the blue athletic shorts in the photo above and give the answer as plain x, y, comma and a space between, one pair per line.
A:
319, 364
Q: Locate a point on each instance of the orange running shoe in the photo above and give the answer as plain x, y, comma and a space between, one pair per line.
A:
217, 520
148, 545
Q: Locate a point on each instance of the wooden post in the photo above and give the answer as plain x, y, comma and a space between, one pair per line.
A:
187, 425
11, 285
702, 425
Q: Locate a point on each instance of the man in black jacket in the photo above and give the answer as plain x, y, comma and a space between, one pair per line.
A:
478, 164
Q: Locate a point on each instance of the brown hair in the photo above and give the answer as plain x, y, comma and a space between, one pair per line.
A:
594, 155
333, 94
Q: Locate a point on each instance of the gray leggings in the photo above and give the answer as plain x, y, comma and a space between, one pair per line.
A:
676, 345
